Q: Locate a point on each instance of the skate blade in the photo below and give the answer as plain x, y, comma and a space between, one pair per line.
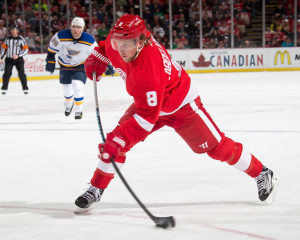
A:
269, 200
79, 210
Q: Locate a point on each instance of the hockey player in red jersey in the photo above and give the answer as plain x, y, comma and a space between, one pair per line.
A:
163, 96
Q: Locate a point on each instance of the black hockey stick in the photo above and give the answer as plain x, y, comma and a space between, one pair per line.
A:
70, 69
161, 222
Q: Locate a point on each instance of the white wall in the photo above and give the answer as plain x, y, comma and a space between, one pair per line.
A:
201, 60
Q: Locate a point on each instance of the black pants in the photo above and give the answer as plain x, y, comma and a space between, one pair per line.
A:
9, 64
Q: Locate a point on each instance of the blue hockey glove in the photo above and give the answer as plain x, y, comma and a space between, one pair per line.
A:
110, 70
50, 63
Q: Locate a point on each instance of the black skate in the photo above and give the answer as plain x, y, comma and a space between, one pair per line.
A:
267, 184
78, 115
85, 201
68, 110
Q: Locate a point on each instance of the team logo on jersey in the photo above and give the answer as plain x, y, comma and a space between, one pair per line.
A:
72, 53
122, 74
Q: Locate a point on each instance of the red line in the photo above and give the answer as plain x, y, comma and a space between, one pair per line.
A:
239, 232
134, 216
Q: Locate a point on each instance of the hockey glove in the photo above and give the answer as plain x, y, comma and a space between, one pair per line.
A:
50, 62
114, 147
96, 62
110, 70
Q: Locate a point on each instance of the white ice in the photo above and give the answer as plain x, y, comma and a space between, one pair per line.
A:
46, 161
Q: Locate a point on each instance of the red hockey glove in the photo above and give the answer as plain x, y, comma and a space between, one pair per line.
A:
96, 62
115, 146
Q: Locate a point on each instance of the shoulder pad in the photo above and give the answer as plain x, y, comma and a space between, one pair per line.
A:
65, 34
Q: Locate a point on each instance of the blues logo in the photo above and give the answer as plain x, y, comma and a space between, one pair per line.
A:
72, 53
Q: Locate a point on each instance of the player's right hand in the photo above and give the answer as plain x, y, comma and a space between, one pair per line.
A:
50, 65
96, 62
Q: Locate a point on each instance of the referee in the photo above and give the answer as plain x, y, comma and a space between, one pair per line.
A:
14, 47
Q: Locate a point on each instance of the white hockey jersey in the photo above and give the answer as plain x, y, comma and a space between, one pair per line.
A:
71, 52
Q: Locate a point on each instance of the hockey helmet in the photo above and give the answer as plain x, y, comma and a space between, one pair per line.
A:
128, 27
78, 21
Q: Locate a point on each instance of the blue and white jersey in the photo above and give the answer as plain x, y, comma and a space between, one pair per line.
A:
71, 52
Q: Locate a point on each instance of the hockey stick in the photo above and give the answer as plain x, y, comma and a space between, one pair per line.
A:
70, 69
161, 222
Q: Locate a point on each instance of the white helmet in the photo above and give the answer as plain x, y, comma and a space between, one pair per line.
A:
78, 21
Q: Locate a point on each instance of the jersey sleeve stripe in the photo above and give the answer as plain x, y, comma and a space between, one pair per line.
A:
143, 123
4, 45
52, 50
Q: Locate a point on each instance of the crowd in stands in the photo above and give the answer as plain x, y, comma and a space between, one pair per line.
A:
216, 21
281, 31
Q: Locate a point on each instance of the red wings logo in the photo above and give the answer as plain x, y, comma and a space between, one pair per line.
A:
201, 62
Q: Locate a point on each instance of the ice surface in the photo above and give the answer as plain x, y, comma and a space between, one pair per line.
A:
46, 161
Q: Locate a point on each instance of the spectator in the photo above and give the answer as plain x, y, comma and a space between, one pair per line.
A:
95, 21
223, 29
31, 42
158, 29
55, 12
194, 9
15, 20
83, 14
221, 44
56, 26
247, 44
287, 43
148, 15
103, 31
3, 31
208, 30
269, 35
212, 43
226, 42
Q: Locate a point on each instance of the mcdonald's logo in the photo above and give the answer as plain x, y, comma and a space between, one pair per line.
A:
282, 57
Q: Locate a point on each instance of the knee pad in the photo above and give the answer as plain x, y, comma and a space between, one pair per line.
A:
78, 88
67, 90
227, 151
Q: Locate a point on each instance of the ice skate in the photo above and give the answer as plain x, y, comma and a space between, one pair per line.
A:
78, 115
4, 92
85, 201
25, 92
68, 110
267, 184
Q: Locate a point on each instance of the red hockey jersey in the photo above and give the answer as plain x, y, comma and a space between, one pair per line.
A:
157, 85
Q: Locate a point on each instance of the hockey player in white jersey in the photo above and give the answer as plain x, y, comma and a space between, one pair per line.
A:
72, 46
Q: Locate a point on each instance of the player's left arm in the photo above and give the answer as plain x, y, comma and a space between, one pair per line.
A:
148, 96
24, 47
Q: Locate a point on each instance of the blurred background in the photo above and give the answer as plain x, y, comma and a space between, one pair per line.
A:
206, 24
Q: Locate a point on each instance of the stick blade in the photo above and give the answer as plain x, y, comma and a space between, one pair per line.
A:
165, 222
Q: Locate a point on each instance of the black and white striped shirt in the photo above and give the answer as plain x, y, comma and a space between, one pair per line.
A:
14, 46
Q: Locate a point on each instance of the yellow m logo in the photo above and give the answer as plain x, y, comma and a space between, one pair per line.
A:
282, 54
